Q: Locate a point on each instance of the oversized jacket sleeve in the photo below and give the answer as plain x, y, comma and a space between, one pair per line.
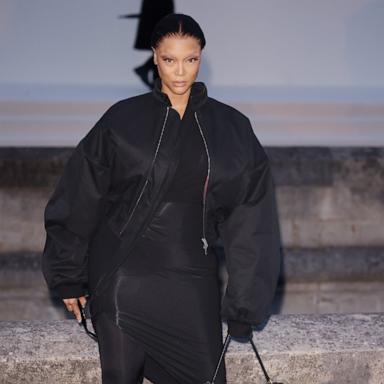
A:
73, 210
251, 239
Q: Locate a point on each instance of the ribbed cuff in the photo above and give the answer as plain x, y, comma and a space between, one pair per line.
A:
70, 291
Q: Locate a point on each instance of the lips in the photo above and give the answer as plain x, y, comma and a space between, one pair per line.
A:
179, 83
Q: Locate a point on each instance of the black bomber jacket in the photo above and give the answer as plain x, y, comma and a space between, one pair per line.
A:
116, 176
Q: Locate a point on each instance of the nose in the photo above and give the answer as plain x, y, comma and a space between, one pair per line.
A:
180, 69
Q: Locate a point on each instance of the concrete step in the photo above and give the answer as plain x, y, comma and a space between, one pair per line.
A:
36, 302
330, 280
31, 303
306, 349
326, 196
329, 297
300, 265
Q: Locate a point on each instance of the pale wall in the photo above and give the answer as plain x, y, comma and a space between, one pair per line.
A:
274, 52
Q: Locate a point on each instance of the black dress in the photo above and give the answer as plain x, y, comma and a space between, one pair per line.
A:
166, 294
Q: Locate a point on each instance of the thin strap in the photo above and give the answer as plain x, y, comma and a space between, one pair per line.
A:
227, 340
92, 335
269, 381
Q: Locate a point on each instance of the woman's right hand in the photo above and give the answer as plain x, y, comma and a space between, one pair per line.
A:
72, 306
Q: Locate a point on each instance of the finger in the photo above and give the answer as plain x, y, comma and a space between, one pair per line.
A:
83, 301
76, 312
69, 303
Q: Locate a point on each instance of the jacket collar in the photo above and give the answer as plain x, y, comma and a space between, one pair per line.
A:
197, 97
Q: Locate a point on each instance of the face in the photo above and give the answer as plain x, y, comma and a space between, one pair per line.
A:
178, 61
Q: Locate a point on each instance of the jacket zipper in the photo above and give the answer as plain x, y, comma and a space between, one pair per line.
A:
148, 175
205, 190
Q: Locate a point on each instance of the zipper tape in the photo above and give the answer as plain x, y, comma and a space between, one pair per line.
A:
148, 174
131, 215
204, 239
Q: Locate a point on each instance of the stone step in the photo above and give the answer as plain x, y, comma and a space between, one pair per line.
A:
326, 196
329, 297
36, 302
305, 349
300, 265
31, 303
24, 166
331, 280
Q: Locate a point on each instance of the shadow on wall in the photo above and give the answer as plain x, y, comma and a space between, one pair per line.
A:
152, 11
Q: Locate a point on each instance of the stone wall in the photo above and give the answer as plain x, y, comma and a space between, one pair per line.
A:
331, 210
330, 196
305, 349
326, 196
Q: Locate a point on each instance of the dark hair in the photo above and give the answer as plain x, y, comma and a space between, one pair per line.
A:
177, 24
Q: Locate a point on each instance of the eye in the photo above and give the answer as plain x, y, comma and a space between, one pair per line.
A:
193, 59
167, 60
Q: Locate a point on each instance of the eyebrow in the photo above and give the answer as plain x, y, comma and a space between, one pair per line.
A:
168, 54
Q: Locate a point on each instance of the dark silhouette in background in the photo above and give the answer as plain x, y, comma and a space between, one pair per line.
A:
151, 12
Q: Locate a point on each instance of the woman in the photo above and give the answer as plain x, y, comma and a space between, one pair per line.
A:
135, 216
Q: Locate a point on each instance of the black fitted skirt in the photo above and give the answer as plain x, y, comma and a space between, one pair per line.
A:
166, 295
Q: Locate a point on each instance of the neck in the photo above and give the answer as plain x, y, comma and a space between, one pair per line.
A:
196, 95
179, 101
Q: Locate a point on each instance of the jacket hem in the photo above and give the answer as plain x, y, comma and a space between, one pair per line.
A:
70, 291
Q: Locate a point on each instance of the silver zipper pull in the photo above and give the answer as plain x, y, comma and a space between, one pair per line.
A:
205, 244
